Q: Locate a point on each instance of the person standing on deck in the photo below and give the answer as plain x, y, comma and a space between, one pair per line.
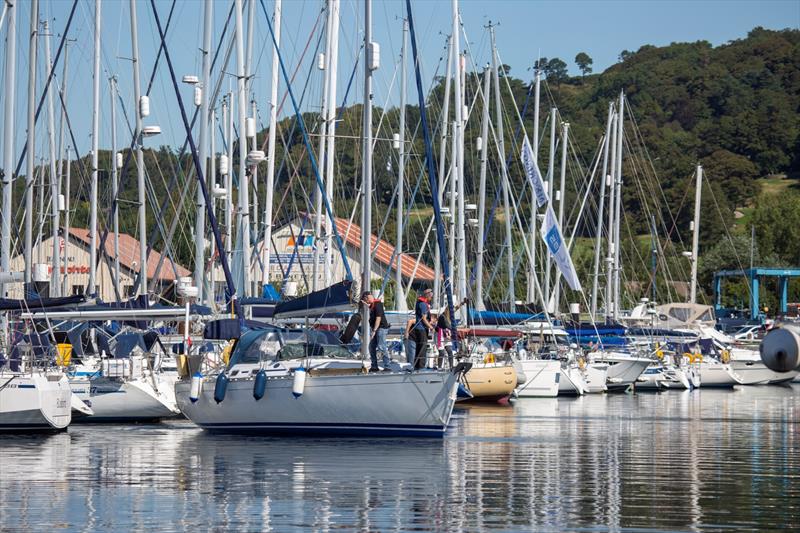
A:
422, 325
379, 326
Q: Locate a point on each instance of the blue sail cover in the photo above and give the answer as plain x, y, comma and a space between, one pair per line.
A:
329, 300
500, 318
38, 303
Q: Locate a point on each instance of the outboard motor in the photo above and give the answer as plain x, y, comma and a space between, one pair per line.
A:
780, 349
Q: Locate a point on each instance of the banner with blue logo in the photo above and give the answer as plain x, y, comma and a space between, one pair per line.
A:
551, 234
532, 172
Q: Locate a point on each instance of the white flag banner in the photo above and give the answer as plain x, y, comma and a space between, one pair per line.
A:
551, 234
532, 172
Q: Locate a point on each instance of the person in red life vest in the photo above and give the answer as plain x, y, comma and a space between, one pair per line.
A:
379, 327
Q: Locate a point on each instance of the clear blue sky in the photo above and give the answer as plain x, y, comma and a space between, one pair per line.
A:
526, 29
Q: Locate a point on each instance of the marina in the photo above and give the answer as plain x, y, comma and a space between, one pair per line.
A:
273, 265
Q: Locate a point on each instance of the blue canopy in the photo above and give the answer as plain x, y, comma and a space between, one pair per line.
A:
329, 300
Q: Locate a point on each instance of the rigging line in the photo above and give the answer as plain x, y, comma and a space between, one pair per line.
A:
231, 290
47, 84
313, 160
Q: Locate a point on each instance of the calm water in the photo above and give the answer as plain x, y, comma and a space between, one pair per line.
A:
703, 460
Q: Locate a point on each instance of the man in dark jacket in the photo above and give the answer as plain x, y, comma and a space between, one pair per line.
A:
422, 326
378, 327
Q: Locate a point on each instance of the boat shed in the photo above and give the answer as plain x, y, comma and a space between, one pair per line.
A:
754, 275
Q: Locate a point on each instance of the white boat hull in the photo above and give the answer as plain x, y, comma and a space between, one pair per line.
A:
571, 382
384, 404
35, 401
756, 373
596, 376
542, 378
112, 399
623, 371
717, 375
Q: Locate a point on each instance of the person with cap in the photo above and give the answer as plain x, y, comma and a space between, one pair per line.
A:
422, 326
379, 327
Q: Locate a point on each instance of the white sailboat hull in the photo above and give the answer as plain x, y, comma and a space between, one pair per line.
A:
623, 371
112, 399
571, 382
382, 404
542, 378
35, 401
596, 376
717, 375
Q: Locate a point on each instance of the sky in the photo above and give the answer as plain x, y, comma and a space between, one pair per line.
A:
524, 29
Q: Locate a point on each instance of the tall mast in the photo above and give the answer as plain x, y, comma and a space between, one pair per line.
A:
484, 148
610, 225
243, 218
137, 94
550, 188
366, 225
698, 184
504, 172
442, 150
114, 182
605, 182
318, 192
534, 207
273, 126
561, 200
400, 295
66, 184
55, 259
200, 212
31, 142
459, 139
8, 151
332, 67
618, 202
228, 119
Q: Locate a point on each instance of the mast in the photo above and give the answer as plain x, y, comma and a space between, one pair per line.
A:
605, 182
484, 148
698, 184
137, 94
550, 188
31, 142
561, 200
609, 307
618, 201
534, 207
442, 150
273, 126
55, 259
114, 182
8, 152
332, 67
504, 172
243, 218
200, 212
370, 64
228, 119
400, 295
459, 140
318, 192
60, 171
66, 220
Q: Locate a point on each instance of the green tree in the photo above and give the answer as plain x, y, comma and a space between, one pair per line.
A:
584, 63
556, 71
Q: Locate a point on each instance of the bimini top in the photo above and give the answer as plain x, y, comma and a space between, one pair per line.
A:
686, 314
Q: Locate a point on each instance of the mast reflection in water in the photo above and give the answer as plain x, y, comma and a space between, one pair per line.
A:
677, 460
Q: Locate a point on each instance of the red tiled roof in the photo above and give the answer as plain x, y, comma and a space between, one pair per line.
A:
129, 254
351, 234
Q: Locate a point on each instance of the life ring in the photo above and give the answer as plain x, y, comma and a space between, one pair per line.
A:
488, 358
689, 356
698, 358
725, 357
660, 353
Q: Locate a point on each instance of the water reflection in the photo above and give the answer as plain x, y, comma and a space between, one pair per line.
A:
677, 460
